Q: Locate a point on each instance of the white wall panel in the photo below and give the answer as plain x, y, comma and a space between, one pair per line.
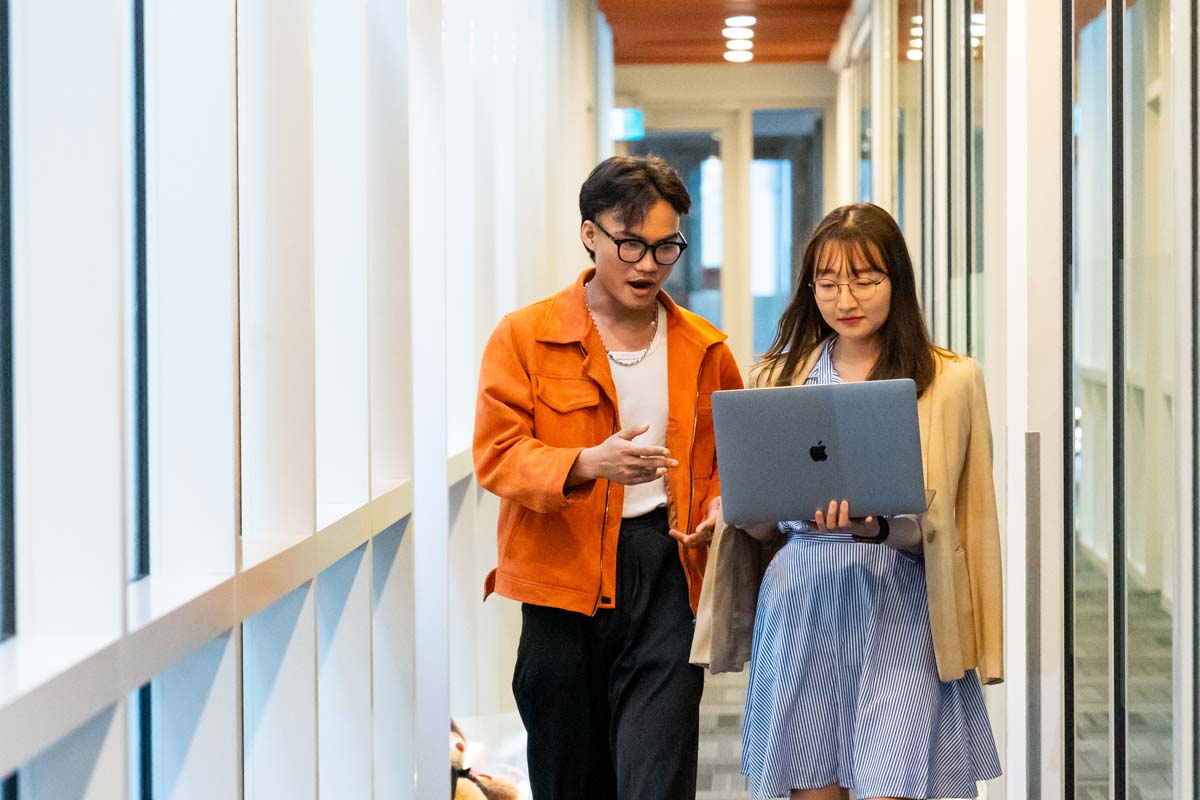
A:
89, 764
191, 208
275, 197
344, 677
394, 661
427, 215
388, 245
71, 278
339, 39
462, 48
279, 682
468, 654
196, 752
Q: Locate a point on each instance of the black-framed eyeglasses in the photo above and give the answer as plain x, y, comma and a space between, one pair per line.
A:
861, 288
631, 251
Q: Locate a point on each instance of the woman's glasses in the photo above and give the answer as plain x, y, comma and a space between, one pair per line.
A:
860, 288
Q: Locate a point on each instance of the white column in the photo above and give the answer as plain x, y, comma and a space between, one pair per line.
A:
1026, 375
71, 140
388, 244
339, 208
430, 307
275, 195
71, 67
191, 198
461, 252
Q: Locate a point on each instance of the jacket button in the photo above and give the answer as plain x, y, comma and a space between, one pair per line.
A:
929, 534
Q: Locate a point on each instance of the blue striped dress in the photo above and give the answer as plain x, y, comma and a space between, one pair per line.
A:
843, 684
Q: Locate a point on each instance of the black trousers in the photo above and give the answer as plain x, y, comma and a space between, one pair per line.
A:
610, 703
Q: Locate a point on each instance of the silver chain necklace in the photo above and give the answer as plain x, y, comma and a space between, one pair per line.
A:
611, 357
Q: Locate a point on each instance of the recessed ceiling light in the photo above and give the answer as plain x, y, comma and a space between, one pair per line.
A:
916, 44
917, 19
739, 44
917, 31
978, 30
738, 33
741, 22
979, 18
914, 55
976, 41
738, 56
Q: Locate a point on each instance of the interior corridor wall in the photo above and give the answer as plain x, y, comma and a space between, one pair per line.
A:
338, 202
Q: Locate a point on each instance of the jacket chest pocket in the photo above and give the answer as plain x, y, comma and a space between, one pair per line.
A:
566, 411
704, 452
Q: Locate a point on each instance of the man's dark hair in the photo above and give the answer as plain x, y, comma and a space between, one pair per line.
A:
630, 185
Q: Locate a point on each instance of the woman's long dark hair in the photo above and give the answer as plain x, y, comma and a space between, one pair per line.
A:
870, 240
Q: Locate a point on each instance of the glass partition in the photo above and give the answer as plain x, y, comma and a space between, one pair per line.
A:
786, 203
1153, 380
695, 283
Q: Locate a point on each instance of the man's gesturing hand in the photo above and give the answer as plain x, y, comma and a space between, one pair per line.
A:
619, 460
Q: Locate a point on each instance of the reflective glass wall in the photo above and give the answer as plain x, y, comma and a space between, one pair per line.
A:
1127, 290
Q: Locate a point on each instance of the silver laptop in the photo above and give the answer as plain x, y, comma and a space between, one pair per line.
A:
784, 452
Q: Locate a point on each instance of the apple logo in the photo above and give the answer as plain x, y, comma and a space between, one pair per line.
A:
817, 452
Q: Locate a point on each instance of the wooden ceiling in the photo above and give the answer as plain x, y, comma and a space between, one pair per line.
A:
689, 31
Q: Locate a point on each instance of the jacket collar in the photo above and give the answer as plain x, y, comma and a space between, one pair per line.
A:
567, 320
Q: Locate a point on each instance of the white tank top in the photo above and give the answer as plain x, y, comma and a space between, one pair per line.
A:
642, 400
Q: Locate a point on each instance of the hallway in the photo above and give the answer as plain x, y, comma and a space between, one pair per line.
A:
721, 711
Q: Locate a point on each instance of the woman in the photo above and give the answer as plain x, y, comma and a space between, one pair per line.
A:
871, 635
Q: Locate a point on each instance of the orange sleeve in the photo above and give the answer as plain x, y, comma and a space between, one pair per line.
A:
509, 461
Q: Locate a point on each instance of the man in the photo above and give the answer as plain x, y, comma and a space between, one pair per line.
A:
594, 426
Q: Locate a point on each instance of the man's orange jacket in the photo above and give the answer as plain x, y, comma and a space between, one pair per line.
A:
546, 393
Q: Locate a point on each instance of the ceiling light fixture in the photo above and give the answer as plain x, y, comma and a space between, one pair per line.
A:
914, 55
738, 56
740, 22
739, 44
738, 33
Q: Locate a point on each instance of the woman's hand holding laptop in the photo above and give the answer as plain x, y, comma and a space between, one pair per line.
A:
902, 532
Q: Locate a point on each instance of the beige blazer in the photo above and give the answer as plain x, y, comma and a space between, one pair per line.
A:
960, 530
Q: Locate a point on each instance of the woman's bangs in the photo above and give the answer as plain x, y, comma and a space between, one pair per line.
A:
859, 256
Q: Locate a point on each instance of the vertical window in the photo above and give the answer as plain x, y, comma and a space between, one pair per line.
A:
910, 129
8, 615
141, 725
139, 566
140, 755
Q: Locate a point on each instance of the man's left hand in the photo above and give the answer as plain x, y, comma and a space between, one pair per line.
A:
704, 531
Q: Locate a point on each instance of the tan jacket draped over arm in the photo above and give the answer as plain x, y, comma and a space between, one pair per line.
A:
960, 532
